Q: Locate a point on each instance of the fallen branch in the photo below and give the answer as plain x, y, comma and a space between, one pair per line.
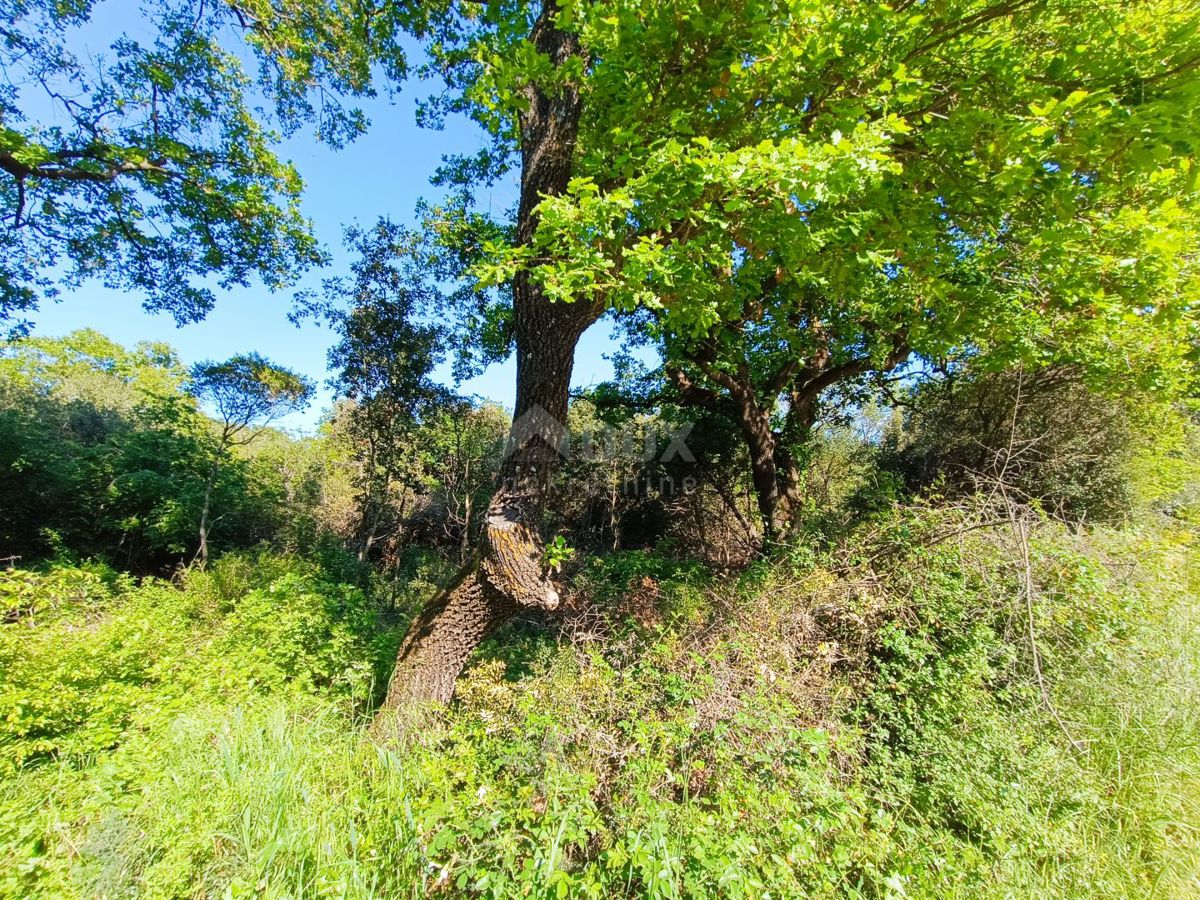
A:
1027, 589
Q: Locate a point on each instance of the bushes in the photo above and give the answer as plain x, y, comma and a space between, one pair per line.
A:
859, 722
301, 630
1056, 442
90, 657
81, 658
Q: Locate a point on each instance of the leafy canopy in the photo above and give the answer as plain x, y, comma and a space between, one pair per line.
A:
248, 389
1014, 177
103, 454
85, 366
1010, 178
152, 165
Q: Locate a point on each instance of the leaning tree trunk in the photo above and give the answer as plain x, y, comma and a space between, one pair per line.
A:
507, 572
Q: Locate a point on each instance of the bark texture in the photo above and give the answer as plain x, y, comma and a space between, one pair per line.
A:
762, 444
442, 637
507, 573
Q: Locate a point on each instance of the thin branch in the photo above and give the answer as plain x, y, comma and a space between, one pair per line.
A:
20, 202
965, 25
1027, 589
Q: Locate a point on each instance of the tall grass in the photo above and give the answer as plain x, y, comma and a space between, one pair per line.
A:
860, 722
1133, 699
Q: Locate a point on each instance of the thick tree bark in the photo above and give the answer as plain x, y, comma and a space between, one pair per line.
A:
791, 489
507, 573
443, 635
773, 470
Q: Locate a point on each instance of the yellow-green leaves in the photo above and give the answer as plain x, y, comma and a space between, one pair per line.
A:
657, 238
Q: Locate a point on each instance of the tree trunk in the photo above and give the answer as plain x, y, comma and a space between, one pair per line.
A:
507, 573
761, 443
791, 492
441, 638
773, 468
464, 548
205, 509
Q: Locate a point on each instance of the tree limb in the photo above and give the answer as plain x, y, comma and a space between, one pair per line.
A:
60, 170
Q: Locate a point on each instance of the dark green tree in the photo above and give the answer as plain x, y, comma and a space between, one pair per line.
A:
381, 366
151, 164
103, 454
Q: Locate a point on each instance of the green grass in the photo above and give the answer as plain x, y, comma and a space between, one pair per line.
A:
862, 721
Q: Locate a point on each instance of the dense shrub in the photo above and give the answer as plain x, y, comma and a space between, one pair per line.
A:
861, 721
90, 657
1044, 433
102, 454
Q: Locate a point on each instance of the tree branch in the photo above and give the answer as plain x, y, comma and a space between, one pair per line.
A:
691, 393
59, 170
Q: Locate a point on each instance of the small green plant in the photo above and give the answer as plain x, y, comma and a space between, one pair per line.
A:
558, 551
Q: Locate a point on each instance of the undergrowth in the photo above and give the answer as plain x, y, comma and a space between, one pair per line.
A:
864, 719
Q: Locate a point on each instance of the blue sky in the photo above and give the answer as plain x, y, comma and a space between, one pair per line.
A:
382, 173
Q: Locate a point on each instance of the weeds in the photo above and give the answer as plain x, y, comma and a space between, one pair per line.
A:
864, 720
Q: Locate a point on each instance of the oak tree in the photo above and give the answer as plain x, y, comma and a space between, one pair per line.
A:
789, 195
149, 161
801, 192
